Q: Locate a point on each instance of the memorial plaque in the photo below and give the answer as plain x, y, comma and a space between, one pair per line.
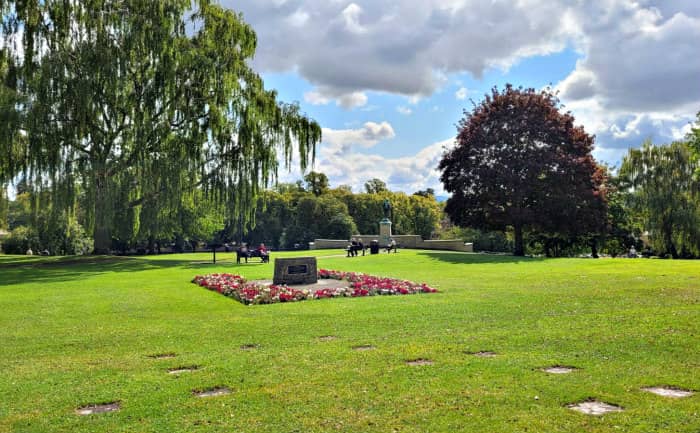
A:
298, 270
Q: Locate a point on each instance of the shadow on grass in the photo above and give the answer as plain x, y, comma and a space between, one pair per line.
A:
477, 258
18, 270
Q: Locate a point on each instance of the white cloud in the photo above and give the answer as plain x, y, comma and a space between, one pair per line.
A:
398, 46
462, 93
351, 16
352, 100
342, 140
298, 19
414, 99
315, 98
338, 157
636, 60
638, 78
406, 111
409, 173
347, 100
638, 69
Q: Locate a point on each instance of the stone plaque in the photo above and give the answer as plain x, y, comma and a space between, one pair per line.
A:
298, 270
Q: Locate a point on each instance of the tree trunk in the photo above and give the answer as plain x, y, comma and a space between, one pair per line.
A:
594, 248
672, 249
519, 245
102, 230
179, 243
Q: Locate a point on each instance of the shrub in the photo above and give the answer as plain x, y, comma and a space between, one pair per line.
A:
20, 240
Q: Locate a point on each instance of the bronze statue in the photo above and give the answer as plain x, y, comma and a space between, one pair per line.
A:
387, 208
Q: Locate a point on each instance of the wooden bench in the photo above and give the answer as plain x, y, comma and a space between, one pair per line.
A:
353, 249
249, 254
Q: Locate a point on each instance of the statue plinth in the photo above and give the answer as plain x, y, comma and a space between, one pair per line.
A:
384, 232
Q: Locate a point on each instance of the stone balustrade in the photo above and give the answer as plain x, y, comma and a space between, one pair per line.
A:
403, 241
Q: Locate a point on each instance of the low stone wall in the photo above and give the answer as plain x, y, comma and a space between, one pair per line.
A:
447, 244
327, 244
403, 241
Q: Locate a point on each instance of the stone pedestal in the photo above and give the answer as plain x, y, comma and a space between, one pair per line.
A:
384, 232
297, 270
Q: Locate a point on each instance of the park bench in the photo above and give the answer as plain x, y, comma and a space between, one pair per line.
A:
249, 254
353, 249
392, 247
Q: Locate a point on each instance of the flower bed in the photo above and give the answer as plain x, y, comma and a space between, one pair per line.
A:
235, 286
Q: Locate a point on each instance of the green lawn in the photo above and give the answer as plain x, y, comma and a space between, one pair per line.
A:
79, 331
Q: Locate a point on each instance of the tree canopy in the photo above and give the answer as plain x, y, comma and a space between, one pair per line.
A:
375, 186
665, 193
316, 183
140, 104
520, 162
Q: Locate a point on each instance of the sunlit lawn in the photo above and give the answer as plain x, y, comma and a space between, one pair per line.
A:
79, 331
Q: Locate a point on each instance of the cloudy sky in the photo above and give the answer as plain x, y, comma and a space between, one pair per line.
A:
389, 79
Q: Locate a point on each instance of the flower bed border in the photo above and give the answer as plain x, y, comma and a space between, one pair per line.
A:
359, 285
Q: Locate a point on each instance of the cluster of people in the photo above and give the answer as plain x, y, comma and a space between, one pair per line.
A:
244, 252
260, 250
41, 253
355, 246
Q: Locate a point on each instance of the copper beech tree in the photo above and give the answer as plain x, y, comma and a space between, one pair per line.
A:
520, 163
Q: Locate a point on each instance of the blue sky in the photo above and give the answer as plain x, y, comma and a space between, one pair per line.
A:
432, 118
389, 79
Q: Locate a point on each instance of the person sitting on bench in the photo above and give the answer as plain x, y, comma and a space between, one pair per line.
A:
352, 248
242, 252
264, 253
391, 246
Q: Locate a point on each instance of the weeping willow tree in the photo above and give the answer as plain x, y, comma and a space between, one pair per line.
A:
140, 103
665, 193
693, 138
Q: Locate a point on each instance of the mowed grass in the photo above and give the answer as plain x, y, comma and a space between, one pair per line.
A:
80, 331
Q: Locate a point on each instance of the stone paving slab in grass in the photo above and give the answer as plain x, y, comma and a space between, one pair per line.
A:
249, 346
92, 409
594, 407
363, 348
167, 355
483, 354
419, 362
179, 370
668, 391
559, 369
212, 392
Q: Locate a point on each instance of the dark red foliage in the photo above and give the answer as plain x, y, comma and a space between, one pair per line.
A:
520, 162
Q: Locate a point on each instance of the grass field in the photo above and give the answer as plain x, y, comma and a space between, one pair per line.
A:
80, 331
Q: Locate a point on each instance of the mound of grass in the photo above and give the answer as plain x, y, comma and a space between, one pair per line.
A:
79, 332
